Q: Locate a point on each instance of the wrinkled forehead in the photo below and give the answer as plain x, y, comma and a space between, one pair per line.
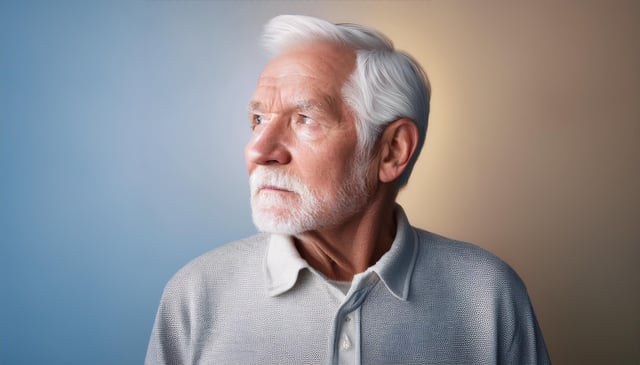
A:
312, 73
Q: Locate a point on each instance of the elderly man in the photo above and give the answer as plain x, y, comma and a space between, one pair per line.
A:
339, 275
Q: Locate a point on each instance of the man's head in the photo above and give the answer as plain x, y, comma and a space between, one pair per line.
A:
385, 85
321, 110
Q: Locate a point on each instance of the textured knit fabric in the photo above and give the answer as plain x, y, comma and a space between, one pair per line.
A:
428, 300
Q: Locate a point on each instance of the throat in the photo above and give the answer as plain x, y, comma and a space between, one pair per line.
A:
330, 263
342, 252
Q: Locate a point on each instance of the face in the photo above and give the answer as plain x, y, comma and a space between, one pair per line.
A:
305, 169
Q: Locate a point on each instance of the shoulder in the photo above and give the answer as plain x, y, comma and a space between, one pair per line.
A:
222, 265
482, 293
464, 263
233, 253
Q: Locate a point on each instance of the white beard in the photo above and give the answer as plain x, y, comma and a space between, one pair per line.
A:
303, 209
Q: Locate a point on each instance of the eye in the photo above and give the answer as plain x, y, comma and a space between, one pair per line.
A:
303, 119
256, 120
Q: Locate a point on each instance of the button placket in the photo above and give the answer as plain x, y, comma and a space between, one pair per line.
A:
346, 343
349, 340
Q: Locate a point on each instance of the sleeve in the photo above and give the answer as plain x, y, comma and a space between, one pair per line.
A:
170, 337
521, 340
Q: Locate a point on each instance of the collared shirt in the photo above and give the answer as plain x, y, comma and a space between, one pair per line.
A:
428, 300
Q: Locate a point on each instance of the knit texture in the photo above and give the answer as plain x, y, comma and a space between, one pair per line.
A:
462, 305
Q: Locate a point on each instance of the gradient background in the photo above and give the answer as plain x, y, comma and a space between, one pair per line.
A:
121, 157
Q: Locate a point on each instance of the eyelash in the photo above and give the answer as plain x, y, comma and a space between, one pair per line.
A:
304, 119
258, 119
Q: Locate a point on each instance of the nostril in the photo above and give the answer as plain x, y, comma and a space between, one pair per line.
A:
267, 153
269, 146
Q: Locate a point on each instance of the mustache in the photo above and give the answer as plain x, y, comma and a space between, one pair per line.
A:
263, 177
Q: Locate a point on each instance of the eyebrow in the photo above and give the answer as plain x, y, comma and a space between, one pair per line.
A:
302, 104
309, 105
254, 106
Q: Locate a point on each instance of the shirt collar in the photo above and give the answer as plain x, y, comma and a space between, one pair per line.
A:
395, 268
282, 264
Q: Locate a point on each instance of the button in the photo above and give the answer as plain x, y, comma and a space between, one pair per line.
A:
346, 343
347, 319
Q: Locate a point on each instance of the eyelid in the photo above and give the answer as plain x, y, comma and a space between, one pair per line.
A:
256, 120
304, 119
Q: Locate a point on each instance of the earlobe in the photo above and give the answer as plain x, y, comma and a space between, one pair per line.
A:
399, 142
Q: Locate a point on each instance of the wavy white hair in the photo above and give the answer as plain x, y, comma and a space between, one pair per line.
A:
386, 85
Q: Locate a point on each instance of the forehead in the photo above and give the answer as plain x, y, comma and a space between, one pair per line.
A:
312, 72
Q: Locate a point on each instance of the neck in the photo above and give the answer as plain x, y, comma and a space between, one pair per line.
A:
340, 252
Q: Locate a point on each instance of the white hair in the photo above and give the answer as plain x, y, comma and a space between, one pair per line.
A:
385, 86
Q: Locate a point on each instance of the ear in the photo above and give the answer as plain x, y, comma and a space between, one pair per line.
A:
397, 145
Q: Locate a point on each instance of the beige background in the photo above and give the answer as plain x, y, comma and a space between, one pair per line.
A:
533, 151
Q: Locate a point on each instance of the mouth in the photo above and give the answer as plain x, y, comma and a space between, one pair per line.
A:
272, 188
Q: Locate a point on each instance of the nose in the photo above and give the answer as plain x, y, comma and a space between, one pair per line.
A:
268, 146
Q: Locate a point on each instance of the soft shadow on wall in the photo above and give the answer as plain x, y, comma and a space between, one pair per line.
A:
533, 153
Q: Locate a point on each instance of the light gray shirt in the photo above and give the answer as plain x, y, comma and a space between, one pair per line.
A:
428, 300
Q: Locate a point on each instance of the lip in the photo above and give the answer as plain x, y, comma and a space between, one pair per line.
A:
270, 188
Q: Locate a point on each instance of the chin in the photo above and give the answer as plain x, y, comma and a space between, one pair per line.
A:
277, 228
280, 224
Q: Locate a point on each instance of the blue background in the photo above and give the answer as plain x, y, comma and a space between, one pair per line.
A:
121, 158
